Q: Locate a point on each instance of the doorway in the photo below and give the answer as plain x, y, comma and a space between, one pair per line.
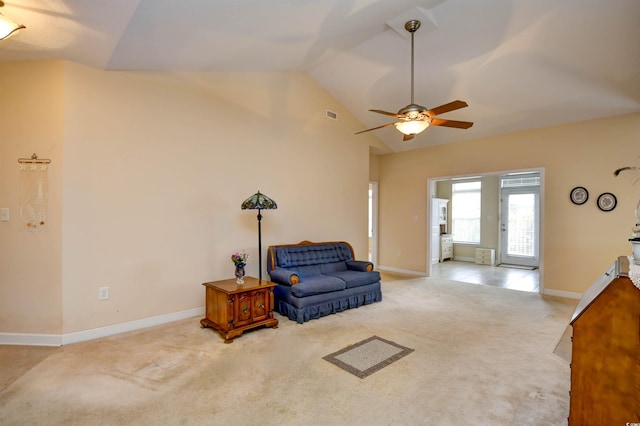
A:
491, 226
519, 219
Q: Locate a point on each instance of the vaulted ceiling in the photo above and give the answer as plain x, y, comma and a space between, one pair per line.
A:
519, 64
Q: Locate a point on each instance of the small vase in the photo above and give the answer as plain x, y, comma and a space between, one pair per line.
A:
239, 274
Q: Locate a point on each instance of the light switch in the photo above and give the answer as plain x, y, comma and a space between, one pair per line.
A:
4, 214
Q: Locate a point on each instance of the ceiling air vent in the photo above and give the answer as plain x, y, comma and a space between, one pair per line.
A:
332, 115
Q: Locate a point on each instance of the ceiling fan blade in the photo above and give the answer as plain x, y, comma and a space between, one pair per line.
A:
451, 123
408, 137
375, 128
392, 114
451, 106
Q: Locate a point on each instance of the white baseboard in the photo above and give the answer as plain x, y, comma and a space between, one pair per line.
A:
30, 339
560, 293
95, 333
401, 271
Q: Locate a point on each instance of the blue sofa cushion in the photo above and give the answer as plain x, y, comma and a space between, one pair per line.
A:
329, 268
307, 271
316, 285
292, 256
356, 278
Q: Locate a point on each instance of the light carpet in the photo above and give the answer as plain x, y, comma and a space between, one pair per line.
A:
483, 356
368, 356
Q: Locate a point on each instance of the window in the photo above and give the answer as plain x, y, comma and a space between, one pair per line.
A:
465, 211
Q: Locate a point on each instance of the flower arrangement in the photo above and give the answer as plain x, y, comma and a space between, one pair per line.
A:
239, 259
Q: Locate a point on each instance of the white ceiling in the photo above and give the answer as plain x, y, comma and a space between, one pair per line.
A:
519, 64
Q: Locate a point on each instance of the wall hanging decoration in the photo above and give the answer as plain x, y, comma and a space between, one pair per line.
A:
607, 202
579, 195
34, 193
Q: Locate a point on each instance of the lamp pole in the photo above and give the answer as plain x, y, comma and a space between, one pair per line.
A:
259, 244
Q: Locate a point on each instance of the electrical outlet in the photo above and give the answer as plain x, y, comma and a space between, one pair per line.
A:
103, 293
4, 214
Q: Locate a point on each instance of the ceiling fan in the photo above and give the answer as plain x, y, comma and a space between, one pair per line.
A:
413, 118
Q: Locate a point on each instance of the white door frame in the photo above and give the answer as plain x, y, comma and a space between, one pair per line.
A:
373, 214
431, 185
504, 230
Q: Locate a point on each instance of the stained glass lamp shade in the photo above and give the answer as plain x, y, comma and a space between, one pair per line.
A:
259, 202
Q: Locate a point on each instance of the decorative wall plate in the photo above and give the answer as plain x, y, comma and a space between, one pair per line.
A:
579, 195
607, 202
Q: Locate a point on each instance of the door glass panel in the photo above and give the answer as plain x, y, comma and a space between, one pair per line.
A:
521, 225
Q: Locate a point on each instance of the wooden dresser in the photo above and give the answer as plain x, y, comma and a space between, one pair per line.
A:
605, 351
233, 308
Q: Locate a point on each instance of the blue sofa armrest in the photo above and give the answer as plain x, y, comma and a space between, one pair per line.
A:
284, 276
359, 265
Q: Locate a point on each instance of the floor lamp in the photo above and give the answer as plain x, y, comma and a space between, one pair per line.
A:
259, 202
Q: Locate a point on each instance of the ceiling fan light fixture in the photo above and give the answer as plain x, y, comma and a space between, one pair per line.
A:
414, 118
412, 127
7, 26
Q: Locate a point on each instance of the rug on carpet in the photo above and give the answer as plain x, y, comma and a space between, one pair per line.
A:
368, 356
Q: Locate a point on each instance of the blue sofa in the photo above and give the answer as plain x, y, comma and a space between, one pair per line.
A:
318, 279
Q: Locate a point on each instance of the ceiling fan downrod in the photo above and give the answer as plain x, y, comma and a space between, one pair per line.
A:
412, 26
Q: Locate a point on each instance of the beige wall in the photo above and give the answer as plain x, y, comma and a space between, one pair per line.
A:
154, 169
30, 262
149, 169
579, 242
374, 166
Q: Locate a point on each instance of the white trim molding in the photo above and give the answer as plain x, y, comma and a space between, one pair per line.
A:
560, 293
30, 339
401, 271
95, 333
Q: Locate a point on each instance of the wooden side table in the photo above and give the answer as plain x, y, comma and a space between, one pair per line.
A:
233, 308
